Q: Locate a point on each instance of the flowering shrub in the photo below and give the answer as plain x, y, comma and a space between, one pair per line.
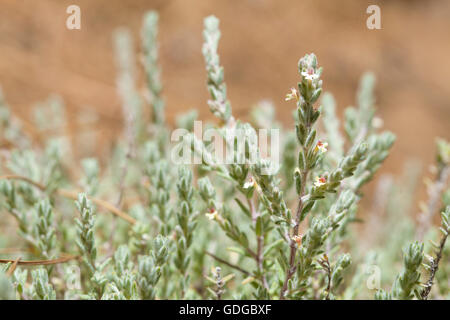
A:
143, 227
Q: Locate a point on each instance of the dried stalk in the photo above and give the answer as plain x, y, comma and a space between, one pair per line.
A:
74, 196
227, 263
64, 258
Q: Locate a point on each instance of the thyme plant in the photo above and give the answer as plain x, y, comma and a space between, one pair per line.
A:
140, 225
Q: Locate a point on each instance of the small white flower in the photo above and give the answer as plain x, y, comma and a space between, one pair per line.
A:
249, 184
212, 215
309, 74
297, 239
321, 147
292, 95
377, 122
320, 181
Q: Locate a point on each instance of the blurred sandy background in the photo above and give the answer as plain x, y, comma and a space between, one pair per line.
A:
261, 43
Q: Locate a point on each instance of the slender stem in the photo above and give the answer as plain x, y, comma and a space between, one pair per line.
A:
290, 272
304, 176
434, 268
62, 259
227, 263
326, 265
260, 246
328, 286
219, 294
